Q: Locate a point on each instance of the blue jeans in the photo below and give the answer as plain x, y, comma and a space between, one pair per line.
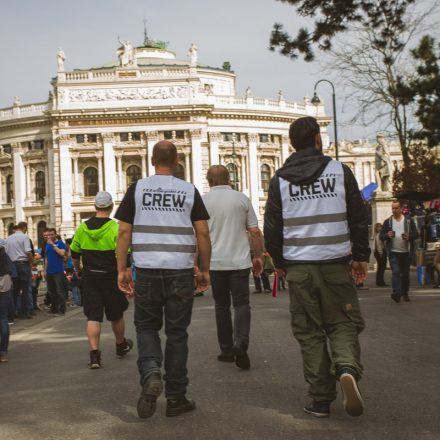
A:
5, 299
400, 263
76, 294
160, 292
23, 300
57, 286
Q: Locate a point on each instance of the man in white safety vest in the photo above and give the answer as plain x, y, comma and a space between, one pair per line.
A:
164, 220
315, 225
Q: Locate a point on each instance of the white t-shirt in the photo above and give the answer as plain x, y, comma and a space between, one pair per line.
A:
231, 214
398, 244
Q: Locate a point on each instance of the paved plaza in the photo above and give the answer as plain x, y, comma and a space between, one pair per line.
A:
49, 393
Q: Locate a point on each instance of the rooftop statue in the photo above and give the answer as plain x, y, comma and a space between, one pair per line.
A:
61, 57
383, 165
192, 53
126, 54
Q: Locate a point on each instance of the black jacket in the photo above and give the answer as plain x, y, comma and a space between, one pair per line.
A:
304, 167
409, 228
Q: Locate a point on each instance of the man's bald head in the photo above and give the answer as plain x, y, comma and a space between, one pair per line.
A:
164, 154
217, 175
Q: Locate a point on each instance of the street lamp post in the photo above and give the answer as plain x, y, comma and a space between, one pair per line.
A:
317, 101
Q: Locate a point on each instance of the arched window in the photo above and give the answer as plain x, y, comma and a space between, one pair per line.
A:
40, 186
180, 171
265, 177
90, 182
9, 188
133, 174
234, 176
11, 228
41, 226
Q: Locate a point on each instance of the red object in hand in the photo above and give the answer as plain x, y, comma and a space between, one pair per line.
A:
275, 285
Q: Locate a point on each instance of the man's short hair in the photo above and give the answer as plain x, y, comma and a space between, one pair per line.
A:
397, 201
21, 225
165, 154
217, 175
302, 132
52, 230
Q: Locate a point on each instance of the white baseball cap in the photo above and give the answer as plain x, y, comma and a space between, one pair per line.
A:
103, 199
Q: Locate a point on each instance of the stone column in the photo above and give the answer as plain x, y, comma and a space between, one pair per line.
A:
284, 148
187, 167
214, 139
46, 184
2, 190
51, 187
28, 184
19, 182
152, 139
100, 174
30, 225
77, 219
75, 178
253, 173
244, 176
120, 175
109, 164
65, 185
358, 173
143, 165
196, 158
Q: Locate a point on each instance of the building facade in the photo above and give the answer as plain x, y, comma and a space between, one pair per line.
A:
98, 127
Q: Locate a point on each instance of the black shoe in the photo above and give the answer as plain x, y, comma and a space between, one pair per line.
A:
318, 409
256, 291
95, 360
395, 297
406, 298
151, 390
123, 348
241, 357
226, 357
353, 403
268, 290
179, 406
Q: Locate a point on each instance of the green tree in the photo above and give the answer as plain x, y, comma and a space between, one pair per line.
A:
424, 89
423, 173
331, 17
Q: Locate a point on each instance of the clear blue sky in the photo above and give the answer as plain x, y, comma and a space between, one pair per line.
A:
234, 30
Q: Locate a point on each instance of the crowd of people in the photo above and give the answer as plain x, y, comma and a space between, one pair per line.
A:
170, 243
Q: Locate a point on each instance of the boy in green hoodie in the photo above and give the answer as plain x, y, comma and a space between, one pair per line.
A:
95, 243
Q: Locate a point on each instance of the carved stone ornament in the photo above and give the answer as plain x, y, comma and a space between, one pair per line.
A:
215, 137
196, 133
128, 94
64, 138
284, 139
253, 137
152, 135
108, 137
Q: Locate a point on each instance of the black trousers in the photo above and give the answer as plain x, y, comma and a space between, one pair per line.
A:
264, 277
226, 284
381, 266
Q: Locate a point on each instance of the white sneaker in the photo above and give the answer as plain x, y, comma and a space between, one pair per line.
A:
353, 403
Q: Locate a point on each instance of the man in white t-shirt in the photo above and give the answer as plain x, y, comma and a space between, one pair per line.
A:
399, 233
232, 218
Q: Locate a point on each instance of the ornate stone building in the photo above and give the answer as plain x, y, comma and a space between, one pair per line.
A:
98, 127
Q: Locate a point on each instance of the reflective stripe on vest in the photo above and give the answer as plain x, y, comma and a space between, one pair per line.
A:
315, 217
163, 234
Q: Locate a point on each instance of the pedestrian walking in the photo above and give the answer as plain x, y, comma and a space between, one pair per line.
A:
5, 299
56, 281
19, 250
95, 244
314, 218
163, 219
230, 223
399, 234
380, 255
